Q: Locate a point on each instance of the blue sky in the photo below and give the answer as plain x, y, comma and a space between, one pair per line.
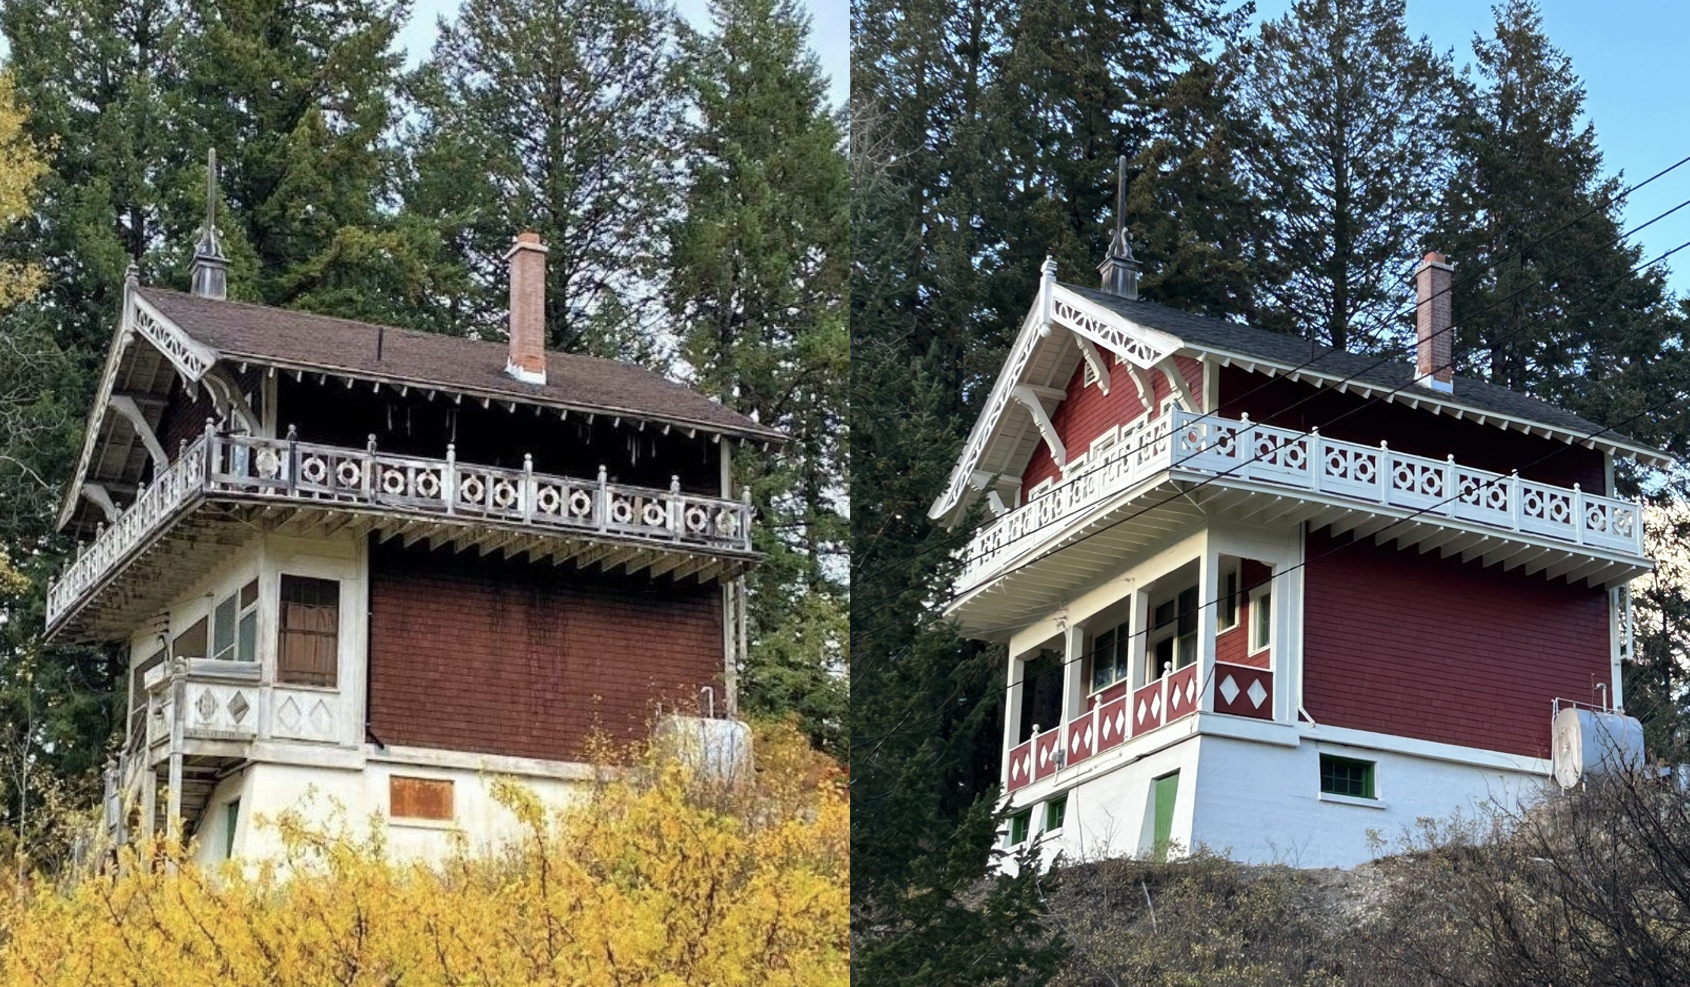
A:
830, 33
1629, 54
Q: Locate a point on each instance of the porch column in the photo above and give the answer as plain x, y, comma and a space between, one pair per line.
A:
1138, 673
1282, 662
1011, 714
1073, 674
1208, 592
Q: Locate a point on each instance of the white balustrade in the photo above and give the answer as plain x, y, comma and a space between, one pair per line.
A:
1309, 462
287, 469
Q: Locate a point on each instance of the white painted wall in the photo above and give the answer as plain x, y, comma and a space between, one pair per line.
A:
1260, 802
356, 800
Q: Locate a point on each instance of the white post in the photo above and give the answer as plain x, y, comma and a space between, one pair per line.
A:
1073, 674
1011, 714
1208, 591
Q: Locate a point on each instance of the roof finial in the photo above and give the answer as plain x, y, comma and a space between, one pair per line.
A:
210, 270
1119, 268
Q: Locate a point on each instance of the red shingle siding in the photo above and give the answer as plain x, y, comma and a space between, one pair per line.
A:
1087, 412
526, 660
1418, 646
1299, 405
1234, 645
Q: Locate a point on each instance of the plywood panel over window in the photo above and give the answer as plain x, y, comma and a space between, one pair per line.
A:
419, 798
308, 645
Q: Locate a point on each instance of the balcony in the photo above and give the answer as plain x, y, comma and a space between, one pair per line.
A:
1242, 690
404, 492
1333, 479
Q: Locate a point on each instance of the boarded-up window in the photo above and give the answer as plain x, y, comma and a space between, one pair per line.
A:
191, 643
309, 641
419, 798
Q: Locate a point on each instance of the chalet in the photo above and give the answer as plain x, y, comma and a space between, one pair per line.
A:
1271, 598
363, 569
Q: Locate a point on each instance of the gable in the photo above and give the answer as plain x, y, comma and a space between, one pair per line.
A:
1060, 332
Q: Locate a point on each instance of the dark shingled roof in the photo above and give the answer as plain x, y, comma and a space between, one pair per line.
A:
1209, 333
302, 340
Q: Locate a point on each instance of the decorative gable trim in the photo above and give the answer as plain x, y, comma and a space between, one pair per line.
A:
1140, 347
191, 358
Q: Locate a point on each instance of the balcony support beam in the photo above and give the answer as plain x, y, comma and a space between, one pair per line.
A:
125, 405
1032, 399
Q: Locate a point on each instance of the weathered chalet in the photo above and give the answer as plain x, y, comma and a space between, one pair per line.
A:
1268, 597
368, 566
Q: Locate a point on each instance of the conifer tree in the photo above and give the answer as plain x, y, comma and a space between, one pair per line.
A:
563, 119
1552, 306
757, 291
297, 99
1351, 111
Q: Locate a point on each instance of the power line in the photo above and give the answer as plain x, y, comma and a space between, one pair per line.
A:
1287, 570
1388, 353
1310, 431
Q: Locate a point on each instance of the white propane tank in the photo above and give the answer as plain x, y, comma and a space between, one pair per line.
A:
719, 748
1589, 740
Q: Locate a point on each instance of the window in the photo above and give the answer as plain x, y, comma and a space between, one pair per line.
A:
1074, 467
1056, 813
1261, 619
191, 643
234, 625
1018, 826
1229, 601
1101, 446
308, 645
1039, 489
419, 798
1041, 693
1174, 632
1346, 776
1109, 652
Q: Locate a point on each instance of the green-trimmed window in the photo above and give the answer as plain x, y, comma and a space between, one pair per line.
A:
1019, 824
1056, 812
1346, 776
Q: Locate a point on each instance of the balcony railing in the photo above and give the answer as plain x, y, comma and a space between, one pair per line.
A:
1243, 690
309, 474
1311, 463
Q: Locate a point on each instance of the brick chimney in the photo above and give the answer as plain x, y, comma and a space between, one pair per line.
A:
527, 258
1434, 367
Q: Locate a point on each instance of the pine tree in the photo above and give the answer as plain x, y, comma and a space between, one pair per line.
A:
925, 706
563, 119
1553, 306
297, 100
1351, 111
757, 290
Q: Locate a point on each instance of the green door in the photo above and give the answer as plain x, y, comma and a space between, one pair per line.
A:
1163, 792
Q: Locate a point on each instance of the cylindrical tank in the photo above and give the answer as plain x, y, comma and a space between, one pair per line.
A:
1595, 742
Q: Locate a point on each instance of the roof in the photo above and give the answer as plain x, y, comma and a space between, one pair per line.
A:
1222, 337
243, 332
1040, 363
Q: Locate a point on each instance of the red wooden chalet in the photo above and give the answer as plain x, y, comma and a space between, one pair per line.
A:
1268, 597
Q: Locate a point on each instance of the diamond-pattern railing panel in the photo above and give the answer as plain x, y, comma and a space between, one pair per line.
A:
1243, 690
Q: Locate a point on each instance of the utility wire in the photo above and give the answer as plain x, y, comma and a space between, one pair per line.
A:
1287, 570
1388, 354
874, 607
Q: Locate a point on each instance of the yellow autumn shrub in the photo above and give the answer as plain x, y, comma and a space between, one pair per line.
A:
663, 876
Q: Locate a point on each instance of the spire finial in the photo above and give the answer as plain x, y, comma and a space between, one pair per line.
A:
1119, 268
210, 271
211, 191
